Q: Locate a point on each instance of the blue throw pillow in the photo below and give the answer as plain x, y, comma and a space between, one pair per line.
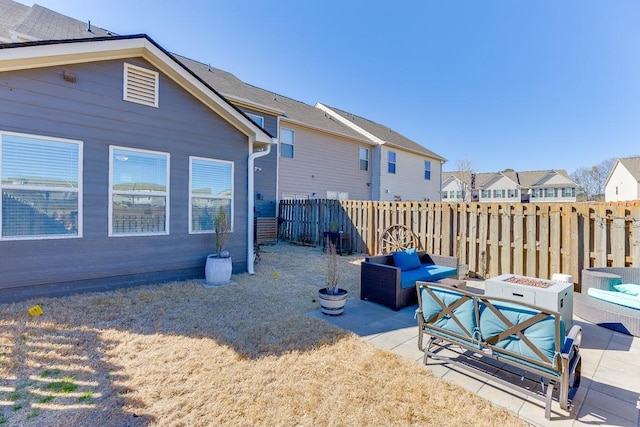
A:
629, 289
407, 259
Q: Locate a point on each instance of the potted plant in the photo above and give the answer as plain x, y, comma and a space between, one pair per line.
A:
332, 298
218, 267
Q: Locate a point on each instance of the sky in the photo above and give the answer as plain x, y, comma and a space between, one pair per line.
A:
497, 84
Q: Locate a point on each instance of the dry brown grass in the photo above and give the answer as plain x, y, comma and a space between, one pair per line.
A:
244, 354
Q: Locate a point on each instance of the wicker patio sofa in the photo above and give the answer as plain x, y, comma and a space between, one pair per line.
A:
607, 314
383, 282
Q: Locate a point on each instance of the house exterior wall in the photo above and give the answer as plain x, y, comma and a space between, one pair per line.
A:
458, 188
91, 110
322, 163
501, 184
408, 182
552, 190
621, 185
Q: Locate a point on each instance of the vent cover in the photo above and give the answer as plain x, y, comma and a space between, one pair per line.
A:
140, 85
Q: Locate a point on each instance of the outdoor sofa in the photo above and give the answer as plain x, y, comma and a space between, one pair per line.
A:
599, 303
528, 342
391, 279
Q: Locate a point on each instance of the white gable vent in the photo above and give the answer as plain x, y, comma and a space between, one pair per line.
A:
140, 85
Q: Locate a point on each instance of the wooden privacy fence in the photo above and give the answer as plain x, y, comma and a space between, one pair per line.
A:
490, 238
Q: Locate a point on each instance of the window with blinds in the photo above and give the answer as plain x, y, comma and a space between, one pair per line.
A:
210, 186
41, 187
140, 85
138, 192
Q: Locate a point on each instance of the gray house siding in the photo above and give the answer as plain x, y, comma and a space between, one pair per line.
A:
265, 197
91, 110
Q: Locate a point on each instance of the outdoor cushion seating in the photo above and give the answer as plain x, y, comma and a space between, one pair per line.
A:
525, 338
603, 300
390, 279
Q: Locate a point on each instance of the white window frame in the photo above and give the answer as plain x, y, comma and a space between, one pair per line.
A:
126, 85
216, 197
293, 143
259, 120
394, 162
427, 170
166, 193
360, 159
78, 190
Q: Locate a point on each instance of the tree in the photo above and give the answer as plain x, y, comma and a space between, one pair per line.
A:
465, 174
591, 180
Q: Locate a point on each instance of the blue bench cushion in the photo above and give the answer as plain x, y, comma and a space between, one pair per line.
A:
407, 259
541, 334
425, 273
465, 313
614, 297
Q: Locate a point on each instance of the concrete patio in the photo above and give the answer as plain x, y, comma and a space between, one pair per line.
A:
609, 393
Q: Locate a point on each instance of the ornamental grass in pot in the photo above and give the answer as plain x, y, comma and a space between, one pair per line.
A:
332, 298
219, 266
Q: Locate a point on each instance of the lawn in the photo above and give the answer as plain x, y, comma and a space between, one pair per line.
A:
242, 354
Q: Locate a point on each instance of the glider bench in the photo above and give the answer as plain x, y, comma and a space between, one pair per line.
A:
528, 341
391, 279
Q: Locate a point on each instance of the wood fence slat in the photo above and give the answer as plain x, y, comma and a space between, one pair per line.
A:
518, 239
555, 239
472, 259
506, 239
618, 252
494, 240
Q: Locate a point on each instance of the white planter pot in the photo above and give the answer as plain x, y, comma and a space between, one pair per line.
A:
217, 271
332, 305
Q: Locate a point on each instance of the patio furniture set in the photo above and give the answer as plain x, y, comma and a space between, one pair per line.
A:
522, 326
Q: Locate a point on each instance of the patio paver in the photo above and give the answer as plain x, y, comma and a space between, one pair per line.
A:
610, 389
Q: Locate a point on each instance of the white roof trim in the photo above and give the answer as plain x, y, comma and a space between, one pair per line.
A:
350, 124
54, 54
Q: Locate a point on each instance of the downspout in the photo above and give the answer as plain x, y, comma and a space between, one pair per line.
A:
251, 204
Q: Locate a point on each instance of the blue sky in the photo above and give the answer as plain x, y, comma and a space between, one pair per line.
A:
527, 85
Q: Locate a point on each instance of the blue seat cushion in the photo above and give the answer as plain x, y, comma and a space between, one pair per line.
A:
426, 273
465, 313
541, 334
407, 259
614, 297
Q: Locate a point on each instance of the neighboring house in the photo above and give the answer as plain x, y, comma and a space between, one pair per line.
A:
509, 186
623, 183
328, 153
401, 168
547, 186
113, 157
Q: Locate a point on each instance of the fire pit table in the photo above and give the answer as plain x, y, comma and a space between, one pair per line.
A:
548, 294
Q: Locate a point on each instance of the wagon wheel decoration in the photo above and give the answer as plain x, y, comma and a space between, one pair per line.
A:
398, 238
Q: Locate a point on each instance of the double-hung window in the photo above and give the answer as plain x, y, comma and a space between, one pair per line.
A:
138, 192
364, 159
391, 159
210, 187
41, 187
427, 170
287, 143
